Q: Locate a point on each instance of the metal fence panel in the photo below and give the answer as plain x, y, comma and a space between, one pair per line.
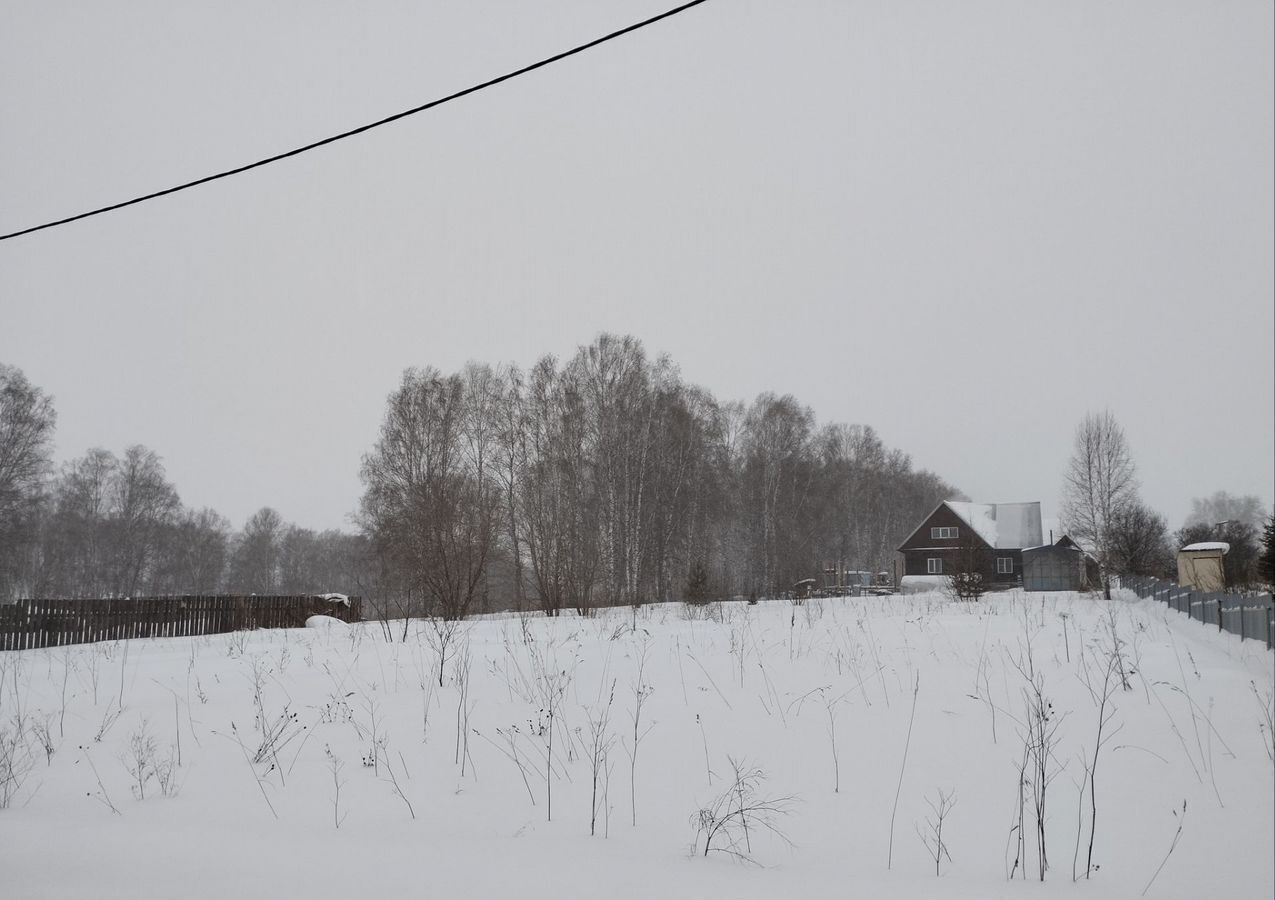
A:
1252, 618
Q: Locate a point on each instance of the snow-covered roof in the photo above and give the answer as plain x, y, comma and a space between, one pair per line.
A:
979, 516
1005, 526
1208, 545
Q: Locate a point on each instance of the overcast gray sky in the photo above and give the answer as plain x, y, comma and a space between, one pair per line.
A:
962, 223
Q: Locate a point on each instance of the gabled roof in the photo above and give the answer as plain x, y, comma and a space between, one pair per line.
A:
1004, 526
1066, 542
1063, 543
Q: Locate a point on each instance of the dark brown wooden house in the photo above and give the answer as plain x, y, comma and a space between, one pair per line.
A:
966, 537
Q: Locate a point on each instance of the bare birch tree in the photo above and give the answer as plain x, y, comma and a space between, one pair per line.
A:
1098, 486
616, 385
510, 465
778, 473
428, 500
143, 506
27, 421
78, 544
254, 565
559, 504
194, 556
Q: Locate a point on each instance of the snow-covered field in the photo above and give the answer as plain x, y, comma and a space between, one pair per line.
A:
443, 791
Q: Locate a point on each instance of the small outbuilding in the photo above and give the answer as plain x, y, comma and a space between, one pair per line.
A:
1061, 566
1201, 566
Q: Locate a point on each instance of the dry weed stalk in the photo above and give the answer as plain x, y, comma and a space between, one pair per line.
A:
601, 740
916, 687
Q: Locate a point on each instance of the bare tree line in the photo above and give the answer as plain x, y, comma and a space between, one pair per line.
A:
104, 525
606, 480
599, 480
108, 526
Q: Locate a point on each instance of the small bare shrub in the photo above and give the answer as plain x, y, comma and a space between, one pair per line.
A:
1040, 741
441, 635
276, 733
41, 730
335, 766
166, 773
236, 644
1102, 696
109, 718
932, 835
140, 759
727, 824
16, 758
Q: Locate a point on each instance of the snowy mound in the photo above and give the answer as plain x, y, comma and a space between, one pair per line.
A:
324, 622
921, 584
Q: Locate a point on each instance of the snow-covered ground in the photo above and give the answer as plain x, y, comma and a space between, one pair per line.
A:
816, 698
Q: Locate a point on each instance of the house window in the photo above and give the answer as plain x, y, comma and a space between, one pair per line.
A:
1004, 565
934, 566
944, 532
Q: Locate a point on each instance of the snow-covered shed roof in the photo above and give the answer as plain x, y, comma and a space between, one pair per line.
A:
1005, 526
1208, 545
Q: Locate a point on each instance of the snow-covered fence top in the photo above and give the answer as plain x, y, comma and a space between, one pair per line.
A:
28, 624
1252, 618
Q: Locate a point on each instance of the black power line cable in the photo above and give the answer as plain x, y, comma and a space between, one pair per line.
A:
368, 127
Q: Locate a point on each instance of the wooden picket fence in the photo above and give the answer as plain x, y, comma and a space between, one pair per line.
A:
28, 624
